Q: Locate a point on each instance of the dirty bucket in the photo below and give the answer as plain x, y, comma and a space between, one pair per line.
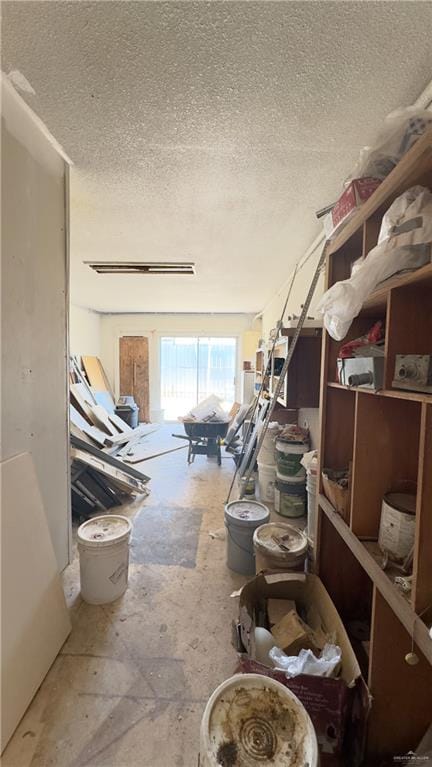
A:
311, 490
103, 546
251, 719
241, 519
290, 498
288, 458
279, 546
266, 481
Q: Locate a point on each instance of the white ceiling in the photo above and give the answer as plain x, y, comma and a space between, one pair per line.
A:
209, 132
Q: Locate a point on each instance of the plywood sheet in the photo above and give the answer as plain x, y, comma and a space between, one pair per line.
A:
134, 372
96, 374
35, 620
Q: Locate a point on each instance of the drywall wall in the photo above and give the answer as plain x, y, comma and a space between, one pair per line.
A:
84, 329
34, 310
272, 311
154, 326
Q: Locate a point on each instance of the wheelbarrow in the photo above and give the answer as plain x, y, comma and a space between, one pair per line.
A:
204, 437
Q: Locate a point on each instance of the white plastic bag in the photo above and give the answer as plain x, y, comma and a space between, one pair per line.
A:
399, 132
403, 243
328, 664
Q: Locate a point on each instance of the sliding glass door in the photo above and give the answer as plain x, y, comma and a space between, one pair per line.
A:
192, 368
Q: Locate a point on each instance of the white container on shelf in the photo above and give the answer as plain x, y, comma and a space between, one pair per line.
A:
103, 546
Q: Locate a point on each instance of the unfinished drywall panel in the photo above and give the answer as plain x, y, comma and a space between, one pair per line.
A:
154, 326
84, 331
35, 619
34, 309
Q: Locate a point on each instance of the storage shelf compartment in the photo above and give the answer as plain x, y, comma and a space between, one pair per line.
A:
339, 428
359, 327
413, 623
386, 454
401, 693
344, 576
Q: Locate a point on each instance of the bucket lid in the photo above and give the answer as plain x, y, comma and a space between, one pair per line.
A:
404, 502
252, 719
248, 513
294, 540
104, 530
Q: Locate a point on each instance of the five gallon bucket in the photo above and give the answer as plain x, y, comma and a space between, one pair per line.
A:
267, 453
103, 545
279, 546
290, 498
251, 719
241, 519
288, 456
266, 482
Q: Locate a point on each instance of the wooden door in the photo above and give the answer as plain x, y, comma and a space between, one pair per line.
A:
134, 372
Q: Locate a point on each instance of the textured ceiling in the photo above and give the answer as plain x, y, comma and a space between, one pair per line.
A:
209, 132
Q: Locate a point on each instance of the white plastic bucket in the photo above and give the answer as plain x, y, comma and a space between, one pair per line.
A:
253, 719
311, 489
241, 520
266, 481
103, 545
271, 556
288, 458
267, 453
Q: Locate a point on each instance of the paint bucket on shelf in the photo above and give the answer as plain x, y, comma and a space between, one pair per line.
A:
290, 497
103, 546
241, 520
279, 546
253, 719
397, 525
288, 459
266, 481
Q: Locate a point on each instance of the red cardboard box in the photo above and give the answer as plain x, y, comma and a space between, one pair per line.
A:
358, 191
338, 707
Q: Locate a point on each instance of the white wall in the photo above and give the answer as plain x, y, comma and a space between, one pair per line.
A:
300, 289
34, 310
85, 331
154, 326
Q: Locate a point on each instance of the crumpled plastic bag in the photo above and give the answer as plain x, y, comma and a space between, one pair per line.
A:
310, 460
399, 132
404, 243
328, 664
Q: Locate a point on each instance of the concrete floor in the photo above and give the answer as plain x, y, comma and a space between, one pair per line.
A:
130, 684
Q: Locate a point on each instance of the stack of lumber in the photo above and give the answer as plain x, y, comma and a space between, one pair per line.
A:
102, 445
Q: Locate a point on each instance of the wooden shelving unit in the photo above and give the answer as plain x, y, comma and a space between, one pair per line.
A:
387, 437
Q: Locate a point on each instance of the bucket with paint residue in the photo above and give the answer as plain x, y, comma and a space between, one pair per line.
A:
103, 546
241, 519
251, 720
288, 458
279, 546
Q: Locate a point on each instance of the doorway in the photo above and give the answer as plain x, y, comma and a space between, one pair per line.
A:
194, 367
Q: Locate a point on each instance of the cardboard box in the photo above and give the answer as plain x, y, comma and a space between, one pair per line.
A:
277, 608
338, 707
355, 194
291, 634
338, 496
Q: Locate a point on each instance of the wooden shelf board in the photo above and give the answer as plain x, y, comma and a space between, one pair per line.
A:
387, 191
365, 553
378, 299
411, 396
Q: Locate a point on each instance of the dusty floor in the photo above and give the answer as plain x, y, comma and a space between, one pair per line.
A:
130, 684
